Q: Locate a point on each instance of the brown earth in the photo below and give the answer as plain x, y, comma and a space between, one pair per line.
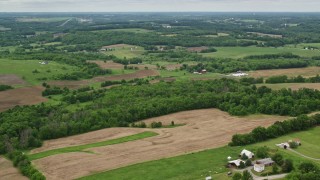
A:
108, 64
8, 172
11, 79
21, 96
306, 72
172, 67
197, 49
81, 83
263, 34
204, 129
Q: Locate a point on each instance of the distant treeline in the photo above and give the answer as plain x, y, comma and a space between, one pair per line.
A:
297, 79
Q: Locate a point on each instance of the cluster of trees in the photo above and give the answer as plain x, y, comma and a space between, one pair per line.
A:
244, 176
209, 50
306, 171
5, 87
231, 65
297, 79
81, 97
251, 80
123, 105
21, 161
278, 129
136, 81
54, 91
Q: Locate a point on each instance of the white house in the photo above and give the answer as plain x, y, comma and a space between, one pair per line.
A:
249, 154
283, 145
239, 74
258, 167
235, 162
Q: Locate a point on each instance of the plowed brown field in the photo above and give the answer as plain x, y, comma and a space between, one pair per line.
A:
204, 129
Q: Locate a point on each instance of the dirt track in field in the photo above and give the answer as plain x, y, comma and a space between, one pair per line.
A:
113, 65
81, 83
11, 79
21, 96
8, 172
204, 129
197, 49
306, 72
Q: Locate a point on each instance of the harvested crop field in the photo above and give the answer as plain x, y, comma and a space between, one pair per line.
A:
204, 129
21, 96
263, 34
293, 86
81, 83
11, 79
108, 64
8, 172
172, 67
306, 72
117, 46
197, 49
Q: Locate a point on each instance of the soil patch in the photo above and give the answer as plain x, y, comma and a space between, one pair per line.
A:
11, 79
8, 172
21, 96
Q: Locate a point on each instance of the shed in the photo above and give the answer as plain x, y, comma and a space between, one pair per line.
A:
258, 167
249, 154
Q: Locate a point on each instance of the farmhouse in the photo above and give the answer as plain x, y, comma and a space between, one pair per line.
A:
260, 165
249, 154
235, 163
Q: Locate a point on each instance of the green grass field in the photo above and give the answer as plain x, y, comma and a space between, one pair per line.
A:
82, 148
24, 68
184, 75
126, 52
210, 162
240, 52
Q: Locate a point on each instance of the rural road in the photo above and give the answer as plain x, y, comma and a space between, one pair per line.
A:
255, 177
204, 129
63, 24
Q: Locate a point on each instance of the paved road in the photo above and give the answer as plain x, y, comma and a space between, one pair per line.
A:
65, 22
303, 155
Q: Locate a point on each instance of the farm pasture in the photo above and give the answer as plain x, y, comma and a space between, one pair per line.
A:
305, 72
207, 128
124, 51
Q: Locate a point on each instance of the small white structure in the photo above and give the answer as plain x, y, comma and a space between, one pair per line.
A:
209, 178
239, 74
249, 154
258, 167
283, 145
236, 162
229, 158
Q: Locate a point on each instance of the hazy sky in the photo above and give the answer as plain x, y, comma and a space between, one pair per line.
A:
158, 5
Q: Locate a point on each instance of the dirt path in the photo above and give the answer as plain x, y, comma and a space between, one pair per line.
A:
306, 72
315, 159
81, 83
255, 177
21, 96
204, 129
8, 172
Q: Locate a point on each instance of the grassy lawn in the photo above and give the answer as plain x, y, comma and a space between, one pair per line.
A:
82, 148
240, 52
24, 68
126, 52
210, 162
